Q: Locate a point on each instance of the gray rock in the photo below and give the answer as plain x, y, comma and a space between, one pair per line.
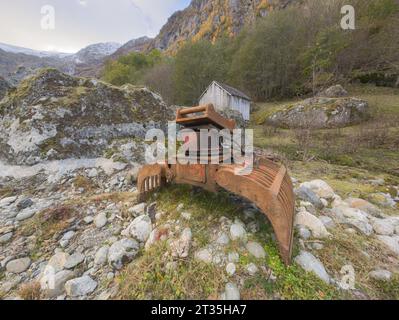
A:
313, 224
223, 239
320, 187
233, 257
54, 286
353, 217
68, 235
231, 269
5, 202
74, 260
88, 219
24, 203
58, 261
138, 209
304, 233
5, 237
391, 242
80, 286
364, 206
122, 251
328, 222
256, 250
18, 265
252, 269
26, 214
204, 255
231, 292
383, 227
311, 264
100, 220
381, 275
140, 228
307, 194
92, 173
321, 112
181, 247
237, 232
336, 91
101, 256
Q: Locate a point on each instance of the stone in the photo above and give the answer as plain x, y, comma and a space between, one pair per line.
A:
204, 255
381, 275
92, 173
5, 202
256, 250
58, 261
334, 92
397, 230
5, 237
354, 218
181, 247
18, 265
233, 257
74, 260
25, 214
186, 215
307, 194
223, 239
88, 219
231, 292
24, 203
158, 234
328, 222
138, 209
53, 285
321, 113
383, 199
101, 256
252, 269
383, 227
304, 233
311, 264
391, 242
364, 206
320, 187
80, 286
68, 235
314, 224
151, 211
122, 251
141, 228
100, 220
237, 232
231, 269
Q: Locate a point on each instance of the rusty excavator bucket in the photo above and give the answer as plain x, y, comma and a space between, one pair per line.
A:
268, 186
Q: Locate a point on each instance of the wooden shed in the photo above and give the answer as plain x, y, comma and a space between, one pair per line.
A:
225, 97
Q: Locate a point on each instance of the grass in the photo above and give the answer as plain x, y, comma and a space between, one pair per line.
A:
30, 291
147, 278
373, 145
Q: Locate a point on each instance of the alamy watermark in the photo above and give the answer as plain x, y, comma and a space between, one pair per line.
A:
47, 21
348, 21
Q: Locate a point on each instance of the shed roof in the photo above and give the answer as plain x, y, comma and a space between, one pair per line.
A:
230, 90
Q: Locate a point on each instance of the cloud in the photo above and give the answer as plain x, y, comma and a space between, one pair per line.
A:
83, 3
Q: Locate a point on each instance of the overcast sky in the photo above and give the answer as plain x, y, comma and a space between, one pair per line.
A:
79, 23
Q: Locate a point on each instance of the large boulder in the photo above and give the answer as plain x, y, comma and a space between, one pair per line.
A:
321, 112
53, 116
334, 92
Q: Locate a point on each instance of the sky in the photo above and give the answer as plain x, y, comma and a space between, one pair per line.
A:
69, 25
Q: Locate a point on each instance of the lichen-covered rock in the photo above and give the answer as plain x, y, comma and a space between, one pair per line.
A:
320, 112
334, 92
53, 116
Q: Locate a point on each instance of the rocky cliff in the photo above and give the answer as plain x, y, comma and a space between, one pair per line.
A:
53, 116
209, 19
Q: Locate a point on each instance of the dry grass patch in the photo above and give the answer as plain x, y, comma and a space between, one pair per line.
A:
30, 291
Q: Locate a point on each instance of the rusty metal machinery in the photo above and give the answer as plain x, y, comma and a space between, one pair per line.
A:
269, 186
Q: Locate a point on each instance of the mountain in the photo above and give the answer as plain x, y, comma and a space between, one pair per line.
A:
135, 45
40, 54
210, 19
4, 87
16, 63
